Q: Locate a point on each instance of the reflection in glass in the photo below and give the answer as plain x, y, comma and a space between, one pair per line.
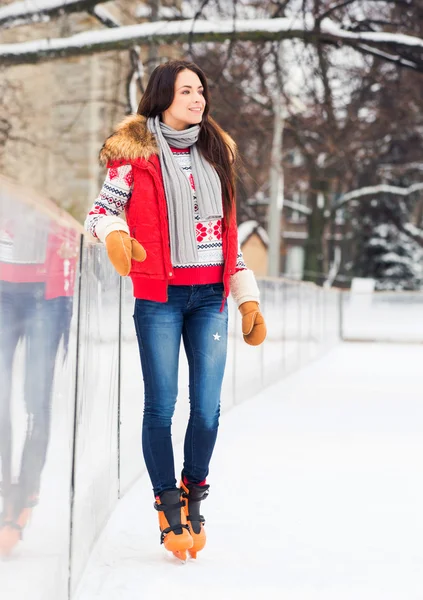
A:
38, 262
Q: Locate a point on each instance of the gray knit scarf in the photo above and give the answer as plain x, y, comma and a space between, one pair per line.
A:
183, 242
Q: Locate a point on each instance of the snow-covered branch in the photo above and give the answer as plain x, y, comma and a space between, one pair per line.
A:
104, 16
392, 57
199, 30
374, 190
408, 228
413, 231
305, 210
24, 13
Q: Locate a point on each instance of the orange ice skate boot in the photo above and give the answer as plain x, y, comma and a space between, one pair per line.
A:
9, 535
194, 494
174, 530
13, 523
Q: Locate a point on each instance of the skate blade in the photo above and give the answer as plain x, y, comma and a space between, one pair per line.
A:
180, 555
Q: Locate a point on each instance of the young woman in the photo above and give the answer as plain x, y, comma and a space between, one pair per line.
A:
171, 168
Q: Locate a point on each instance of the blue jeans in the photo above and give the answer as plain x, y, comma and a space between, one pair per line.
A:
192, 313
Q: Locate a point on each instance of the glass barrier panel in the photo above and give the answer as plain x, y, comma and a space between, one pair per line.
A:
272, 351
39, 259
247, 363
131, 395
96, 456
293, 326
305, 303
332, 304
316, 323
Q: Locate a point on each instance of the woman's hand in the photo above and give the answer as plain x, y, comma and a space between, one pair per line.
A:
121, 248
253, 325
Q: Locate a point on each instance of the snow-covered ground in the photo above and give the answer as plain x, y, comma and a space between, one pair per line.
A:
383, 316
316, 493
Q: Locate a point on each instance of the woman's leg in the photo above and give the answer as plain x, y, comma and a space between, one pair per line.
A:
159, 331
205, 335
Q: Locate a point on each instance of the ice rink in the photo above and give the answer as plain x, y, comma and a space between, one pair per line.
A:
316, 493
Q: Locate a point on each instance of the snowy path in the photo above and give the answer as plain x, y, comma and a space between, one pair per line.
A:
316, 493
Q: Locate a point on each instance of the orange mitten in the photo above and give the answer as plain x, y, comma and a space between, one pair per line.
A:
253, 325
121, 248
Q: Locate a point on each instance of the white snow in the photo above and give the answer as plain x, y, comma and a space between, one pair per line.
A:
413, 230
262, 198
249, 227
378, 189
104, 14
32, 9
305, 210
385, 37
391, 57
295, 235
145, 31
383, 316
19, 9
316, 494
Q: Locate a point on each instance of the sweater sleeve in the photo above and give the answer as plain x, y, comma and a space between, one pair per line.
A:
240, 263
243, 283
116, 192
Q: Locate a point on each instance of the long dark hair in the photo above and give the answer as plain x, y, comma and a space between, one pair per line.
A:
157, 98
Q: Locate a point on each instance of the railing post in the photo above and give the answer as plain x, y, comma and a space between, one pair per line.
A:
121, 290
75, 419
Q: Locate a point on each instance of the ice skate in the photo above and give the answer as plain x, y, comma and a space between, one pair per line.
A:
13, 522
194, 494
7, 533
10, 536
175, 534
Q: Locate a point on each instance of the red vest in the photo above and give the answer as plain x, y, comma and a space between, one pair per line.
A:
147, 218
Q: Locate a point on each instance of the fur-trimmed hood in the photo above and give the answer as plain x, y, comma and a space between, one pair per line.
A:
132, 140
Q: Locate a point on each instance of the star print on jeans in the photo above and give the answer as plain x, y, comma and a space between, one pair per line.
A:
216, 337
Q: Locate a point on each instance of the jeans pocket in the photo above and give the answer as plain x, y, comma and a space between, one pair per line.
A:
217, 288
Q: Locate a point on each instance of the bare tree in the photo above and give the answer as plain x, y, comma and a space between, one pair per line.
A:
317, 23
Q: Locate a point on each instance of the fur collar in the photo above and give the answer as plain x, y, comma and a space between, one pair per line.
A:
132, 140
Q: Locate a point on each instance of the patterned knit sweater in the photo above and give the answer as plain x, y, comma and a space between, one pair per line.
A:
117, 191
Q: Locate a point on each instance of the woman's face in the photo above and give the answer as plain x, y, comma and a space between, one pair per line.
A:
188, 102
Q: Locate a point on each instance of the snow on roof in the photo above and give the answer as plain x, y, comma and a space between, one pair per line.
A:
246, 229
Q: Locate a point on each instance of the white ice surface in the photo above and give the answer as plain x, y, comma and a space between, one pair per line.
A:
316, 493
383, 316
